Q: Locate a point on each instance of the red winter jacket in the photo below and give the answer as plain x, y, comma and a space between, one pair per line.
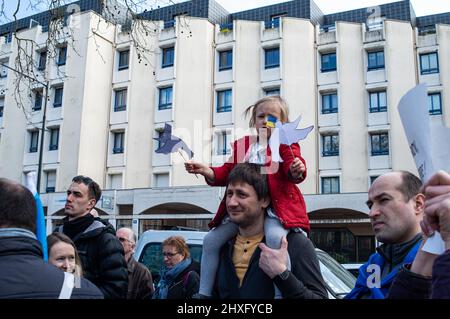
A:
286, 198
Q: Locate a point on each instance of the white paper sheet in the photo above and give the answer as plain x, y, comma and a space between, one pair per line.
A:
429, 144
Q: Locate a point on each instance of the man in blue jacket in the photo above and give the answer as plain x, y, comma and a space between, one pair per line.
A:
429, 275
24, 274
396, 209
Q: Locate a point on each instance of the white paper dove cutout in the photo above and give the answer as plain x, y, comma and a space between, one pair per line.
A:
286, 133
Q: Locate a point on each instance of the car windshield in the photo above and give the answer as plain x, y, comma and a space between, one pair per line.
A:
152, 257
336, 277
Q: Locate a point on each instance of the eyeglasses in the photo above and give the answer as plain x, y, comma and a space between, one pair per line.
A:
122, 240
170, 255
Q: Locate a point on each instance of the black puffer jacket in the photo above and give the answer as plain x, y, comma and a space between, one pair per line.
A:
102, 257
25, 275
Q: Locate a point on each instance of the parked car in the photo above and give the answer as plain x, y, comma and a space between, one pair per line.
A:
337, 279
353, 268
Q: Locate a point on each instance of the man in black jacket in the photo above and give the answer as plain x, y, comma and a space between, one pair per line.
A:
101, 253
248, 268
24, 274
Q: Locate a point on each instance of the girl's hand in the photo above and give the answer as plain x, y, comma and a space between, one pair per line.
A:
297, 168
195, 167
199, 168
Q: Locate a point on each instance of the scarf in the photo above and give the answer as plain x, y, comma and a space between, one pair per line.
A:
377, 259
16, 232
77, 225
168, 276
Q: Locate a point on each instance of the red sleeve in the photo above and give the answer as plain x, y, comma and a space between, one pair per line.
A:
286, 153
221, 173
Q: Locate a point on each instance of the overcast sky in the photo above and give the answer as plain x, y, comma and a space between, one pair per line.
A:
421, 7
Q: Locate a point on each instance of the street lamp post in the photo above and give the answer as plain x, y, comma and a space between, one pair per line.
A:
41, 148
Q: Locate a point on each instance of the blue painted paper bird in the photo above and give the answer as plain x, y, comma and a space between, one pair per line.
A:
169, 143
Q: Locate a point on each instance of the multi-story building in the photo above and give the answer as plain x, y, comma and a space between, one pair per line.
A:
106, 105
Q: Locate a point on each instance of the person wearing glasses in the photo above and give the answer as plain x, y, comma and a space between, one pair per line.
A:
180, 277
140, 282
101, 253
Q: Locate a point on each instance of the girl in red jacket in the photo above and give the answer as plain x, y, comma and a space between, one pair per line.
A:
287, 210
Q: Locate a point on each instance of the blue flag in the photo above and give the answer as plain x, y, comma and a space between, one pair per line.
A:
41, 233
169, 143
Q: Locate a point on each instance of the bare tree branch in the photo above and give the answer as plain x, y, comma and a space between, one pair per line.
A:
30, 78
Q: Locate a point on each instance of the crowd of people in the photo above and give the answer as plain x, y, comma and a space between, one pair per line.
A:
258, 246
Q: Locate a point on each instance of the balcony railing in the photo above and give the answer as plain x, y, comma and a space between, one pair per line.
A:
272, 24
169, 24
226, 27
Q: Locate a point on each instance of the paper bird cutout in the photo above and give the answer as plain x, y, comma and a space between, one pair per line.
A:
288, 134
169, 143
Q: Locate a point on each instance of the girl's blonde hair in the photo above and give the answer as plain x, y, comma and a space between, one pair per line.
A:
284, 109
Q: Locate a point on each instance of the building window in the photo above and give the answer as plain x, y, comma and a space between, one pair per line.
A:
34, 139
51, 182
118, 143
167, 57
124, 57
339, 243
161, 180
330, 145
42, 60
7, 37
275, 20
160, 140
3, 68
434, 103
429, 63
165, 98
2, 105
115, 181
57, 101
54, 138
329, 103
62, 55
379, 144
120, 100
330, 185
375, 60
272, 92
37, 100
225, 60
328, 62
223, 143
224, 101
373, 178
271, 58
377, 102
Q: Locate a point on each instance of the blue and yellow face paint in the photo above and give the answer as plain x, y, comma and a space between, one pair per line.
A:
271, 120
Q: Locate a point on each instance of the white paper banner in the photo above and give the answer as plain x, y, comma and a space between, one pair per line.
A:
429, 144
